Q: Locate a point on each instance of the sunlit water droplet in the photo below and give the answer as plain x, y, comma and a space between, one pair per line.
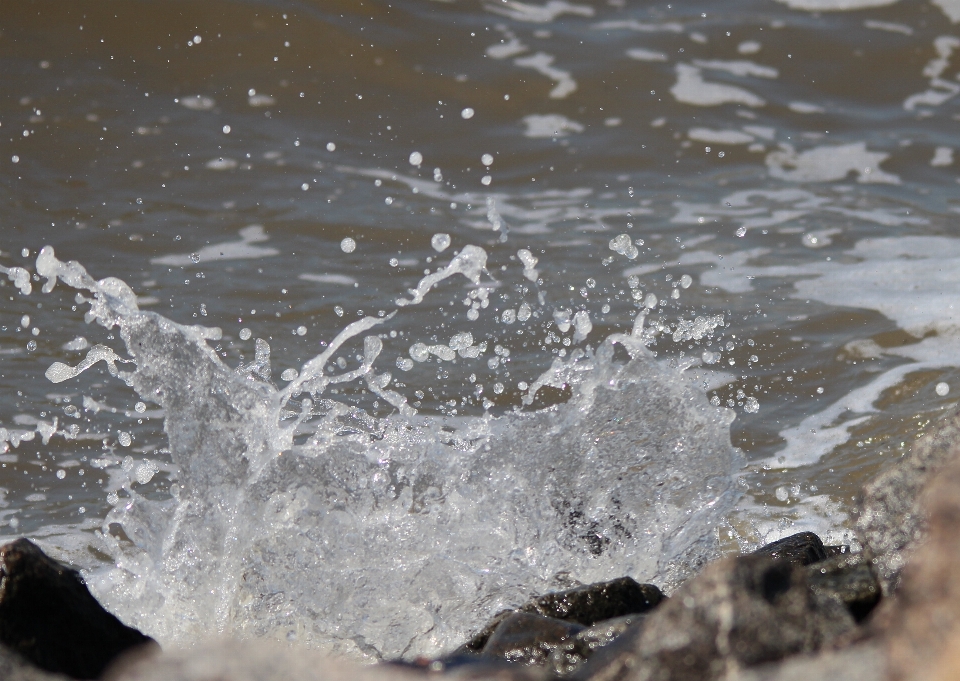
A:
440, 242
942, 388
348, 245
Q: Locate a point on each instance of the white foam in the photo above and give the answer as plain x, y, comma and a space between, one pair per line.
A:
835, 5
642, 54
829, 163
227, 250
691, 88
506, 49
338, 279
550, 125
542, 63
719, 136
540, 14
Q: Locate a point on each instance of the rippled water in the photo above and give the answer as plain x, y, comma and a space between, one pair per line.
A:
775, 183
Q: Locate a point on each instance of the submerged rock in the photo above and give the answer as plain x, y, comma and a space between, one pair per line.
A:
48, 616
585, 605
739, 612
804, 548
851, 579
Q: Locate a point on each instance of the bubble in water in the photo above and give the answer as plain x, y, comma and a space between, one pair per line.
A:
195, 257
685, 281
467, 113
440, 242
624, 246
498, 388
140, 407
301, 331
394, 262
751, 405
419, 352
124, 438
508, 316
942, 388
146, 471
782, 493
32, 345
650, 301
331, 146
721, 154
289, 374
416, 158
245, 334
348, 245
404, 364
61, 474
524, 312
487, 159
710, 358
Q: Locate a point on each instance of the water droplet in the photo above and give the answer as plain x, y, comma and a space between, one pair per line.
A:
721, 154
440, 242
245, 334
942, 388
25, 321
782, 493
226, 130
467, 113
32, 345
751, 405
124, 438
289, 374
140, 407
487, 159
416, 158
195, 257
61, 474
301, 331
348, 245
486, 180
331, 146
624, 246
685, 281
741, 231
338, 310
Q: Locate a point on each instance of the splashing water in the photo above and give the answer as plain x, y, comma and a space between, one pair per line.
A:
295, 516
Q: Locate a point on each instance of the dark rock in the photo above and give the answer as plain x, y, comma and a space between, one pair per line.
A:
529, 639
567, 658
739, 612
594, 603
584, 605
801, 549
891, 520
849, 578
14, 668
48, 616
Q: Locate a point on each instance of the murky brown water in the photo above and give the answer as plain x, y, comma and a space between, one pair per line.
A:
797, 164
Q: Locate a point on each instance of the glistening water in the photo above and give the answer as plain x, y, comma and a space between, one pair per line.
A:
353, 323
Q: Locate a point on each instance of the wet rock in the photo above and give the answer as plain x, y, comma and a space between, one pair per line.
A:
594, 603
891, 521
529, 639
739, 612
922, 622
569, 657
849, 578
14, 668
584, 605
48, 616
804, 548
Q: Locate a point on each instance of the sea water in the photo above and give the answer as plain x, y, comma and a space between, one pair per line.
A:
353, 325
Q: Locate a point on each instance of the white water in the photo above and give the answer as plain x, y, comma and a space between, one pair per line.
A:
297, 517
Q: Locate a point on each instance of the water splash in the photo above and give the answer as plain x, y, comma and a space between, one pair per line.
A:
295, 516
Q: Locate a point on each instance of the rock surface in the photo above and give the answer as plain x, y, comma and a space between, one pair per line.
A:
804, 548
891, 520
48, 616
738, 612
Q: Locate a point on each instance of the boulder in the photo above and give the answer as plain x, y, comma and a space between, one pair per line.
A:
738, 612
48, 616
891, 520
584, 605
804, 548
529, 639
851, 579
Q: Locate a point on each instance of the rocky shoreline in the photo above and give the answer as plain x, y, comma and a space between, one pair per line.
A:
792, 610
